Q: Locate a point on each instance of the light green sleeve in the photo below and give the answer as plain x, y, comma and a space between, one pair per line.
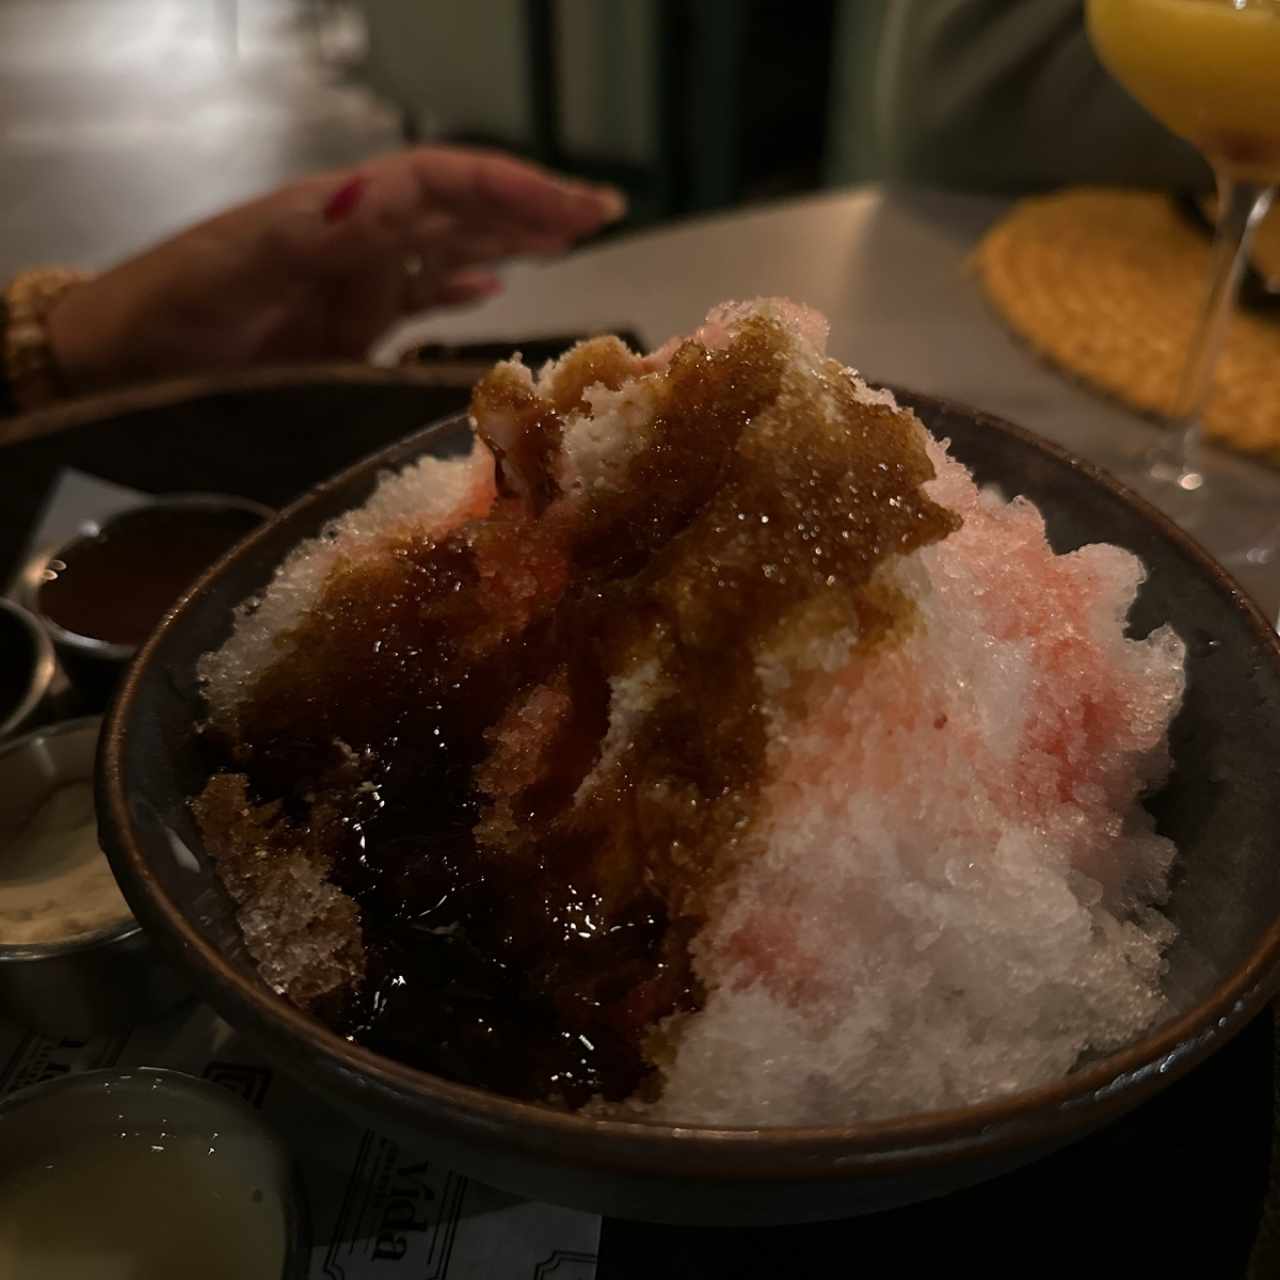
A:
989, 94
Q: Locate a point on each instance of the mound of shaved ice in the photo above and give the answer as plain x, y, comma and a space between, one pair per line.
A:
954, 896
424, 499
709, 716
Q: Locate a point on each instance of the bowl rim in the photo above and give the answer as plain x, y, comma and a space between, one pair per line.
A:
1085, 1098
173, 1078
164, 392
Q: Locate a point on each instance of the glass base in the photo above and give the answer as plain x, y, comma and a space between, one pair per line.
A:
1239, 529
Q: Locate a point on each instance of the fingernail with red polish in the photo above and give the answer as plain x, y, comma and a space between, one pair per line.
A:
344, 200
614, 202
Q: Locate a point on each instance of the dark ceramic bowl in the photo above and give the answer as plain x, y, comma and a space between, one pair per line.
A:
1222, 806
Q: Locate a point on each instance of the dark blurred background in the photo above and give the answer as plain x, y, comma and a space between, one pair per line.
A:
121, 120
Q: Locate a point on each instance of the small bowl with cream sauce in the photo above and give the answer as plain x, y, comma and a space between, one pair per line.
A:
73, 960
149, 1174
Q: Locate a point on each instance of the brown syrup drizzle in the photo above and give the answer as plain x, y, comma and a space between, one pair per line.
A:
525, 908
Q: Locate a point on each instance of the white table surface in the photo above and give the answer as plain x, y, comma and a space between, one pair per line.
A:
889, 269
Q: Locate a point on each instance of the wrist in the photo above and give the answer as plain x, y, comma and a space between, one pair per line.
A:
32, 362
81, 350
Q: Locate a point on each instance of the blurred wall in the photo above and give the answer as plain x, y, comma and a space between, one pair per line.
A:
453, 67
689, 105
463, 69
608, 78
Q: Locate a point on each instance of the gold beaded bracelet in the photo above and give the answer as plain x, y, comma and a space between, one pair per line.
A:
30, 366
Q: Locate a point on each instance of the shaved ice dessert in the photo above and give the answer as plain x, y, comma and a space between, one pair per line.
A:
703, 745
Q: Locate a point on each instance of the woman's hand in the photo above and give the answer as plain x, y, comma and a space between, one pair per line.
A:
319, 269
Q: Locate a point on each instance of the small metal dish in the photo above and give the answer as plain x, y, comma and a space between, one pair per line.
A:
94, 982
234, 1195
27, 668
94, 662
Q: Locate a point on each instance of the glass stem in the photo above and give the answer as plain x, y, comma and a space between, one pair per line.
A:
1241, 206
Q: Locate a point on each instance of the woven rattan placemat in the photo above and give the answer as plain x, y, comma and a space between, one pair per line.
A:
1107, 285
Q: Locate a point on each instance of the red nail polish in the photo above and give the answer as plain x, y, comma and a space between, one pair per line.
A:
344, 200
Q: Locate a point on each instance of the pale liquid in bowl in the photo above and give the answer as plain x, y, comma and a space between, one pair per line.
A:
143, 1206
1207, 69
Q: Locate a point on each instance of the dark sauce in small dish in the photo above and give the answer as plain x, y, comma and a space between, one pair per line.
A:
114, 586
